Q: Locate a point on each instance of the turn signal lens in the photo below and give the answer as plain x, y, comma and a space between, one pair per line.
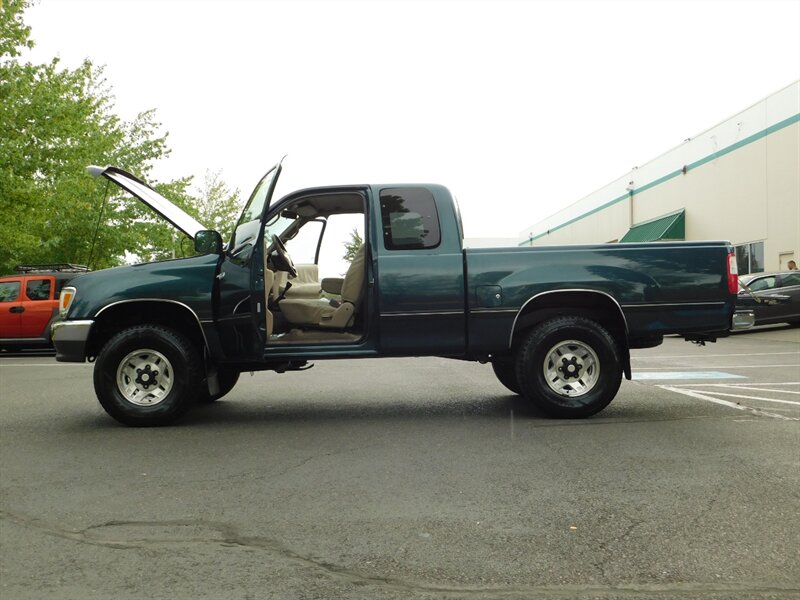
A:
65, 300
733, 274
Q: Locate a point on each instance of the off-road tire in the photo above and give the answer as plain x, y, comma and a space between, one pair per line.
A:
148, 361
569, 367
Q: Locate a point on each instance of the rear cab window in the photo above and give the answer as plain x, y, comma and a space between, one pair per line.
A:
409, 218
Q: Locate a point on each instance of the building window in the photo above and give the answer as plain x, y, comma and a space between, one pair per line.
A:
750, 258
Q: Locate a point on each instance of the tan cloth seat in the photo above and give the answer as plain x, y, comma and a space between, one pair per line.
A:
306, 284
324, 313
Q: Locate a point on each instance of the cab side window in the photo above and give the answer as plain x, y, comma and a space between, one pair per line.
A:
38, 289
409, 219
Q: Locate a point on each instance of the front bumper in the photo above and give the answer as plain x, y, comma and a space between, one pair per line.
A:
70, 339
742, 319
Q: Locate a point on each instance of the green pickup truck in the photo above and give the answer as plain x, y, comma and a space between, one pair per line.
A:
556, 323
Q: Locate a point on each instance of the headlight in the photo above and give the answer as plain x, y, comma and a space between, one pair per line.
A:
65, 300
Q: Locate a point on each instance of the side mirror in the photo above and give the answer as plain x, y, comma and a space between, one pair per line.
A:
207, 241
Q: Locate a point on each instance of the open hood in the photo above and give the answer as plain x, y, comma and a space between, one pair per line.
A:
151, 198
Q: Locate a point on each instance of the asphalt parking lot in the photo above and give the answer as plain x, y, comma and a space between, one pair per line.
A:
412, 478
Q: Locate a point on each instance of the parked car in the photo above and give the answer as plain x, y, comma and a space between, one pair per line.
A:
29, 304
773, 297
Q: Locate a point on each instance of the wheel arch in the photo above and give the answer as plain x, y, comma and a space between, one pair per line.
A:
172, 314
599, 306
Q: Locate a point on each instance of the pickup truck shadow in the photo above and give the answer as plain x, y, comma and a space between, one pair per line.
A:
243, 413
234, 410
500, 407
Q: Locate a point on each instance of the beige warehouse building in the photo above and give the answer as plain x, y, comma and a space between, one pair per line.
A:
738, 181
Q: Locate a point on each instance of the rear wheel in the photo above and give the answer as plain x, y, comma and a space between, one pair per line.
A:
147, 375
569, 367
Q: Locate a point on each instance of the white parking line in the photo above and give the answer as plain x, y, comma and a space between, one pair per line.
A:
698, 395
653, 375
713, 355
11, 364
795, 365
744, 385
754, 398
740, 386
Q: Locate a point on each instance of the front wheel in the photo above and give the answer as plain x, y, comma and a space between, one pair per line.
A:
569, 367
147, 375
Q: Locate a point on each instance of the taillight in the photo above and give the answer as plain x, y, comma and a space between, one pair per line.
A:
733, 274
64, 302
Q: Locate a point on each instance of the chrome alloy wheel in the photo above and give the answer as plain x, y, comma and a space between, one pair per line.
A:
571, 368
144, 377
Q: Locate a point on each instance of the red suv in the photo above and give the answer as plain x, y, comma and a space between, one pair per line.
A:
29, 303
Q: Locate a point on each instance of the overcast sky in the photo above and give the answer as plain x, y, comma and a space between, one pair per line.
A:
520, 108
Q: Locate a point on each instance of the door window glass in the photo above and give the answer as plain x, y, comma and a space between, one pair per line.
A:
790, 279
764, 283
249, 224
38, 289
9, 291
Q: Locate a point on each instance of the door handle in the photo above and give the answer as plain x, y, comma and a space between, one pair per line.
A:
17, 309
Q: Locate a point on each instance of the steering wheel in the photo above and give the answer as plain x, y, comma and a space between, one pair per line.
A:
283, 260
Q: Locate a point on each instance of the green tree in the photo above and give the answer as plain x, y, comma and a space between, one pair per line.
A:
215, 206
13, 31
353, 246
53, 123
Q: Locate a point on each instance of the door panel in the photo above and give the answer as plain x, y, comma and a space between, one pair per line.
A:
10, 308
420, 273
38, 305
421, 303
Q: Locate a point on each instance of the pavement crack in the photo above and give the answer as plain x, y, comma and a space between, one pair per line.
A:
109, 534
607, 547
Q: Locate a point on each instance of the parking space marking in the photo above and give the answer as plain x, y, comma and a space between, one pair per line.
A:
754, 398
701, 396
770, 366
797, 383
648, 375
12, 364
751, 387
716, 355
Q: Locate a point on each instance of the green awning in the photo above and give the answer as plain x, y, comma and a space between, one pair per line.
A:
669, 227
